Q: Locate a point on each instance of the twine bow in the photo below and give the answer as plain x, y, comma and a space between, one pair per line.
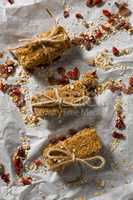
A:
64, 157
59, 101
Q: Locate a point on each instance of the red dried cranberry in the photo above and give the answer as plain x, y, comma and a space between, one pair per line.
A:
115, 51
73, 74
117, 135
107, 13
94, 74
17, 164
26, 180
16, 91
98, 34
130, 81
120, 123
6, 178
79, 16
91, 3
98, 2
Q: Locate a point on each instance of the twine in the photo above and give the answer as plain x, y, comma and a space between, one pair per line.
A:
59, 101
67, 157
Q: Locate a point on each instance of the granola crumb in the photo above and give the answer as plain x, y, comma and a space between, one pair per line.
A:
97, 193
31, 119
100, 184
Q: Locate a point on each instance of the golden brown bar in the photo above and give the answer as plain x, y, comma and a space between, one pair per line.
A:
43, 49
60, 100
84, 146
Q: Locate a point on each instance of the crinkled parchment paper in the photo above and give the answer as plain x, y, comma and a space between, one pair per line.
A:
22, 21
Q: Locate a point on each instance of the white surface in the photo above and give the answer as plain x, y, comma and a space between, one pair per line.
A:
25, 21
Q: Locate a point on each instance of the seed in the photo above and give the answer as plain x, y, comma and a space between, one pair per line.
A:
2, 169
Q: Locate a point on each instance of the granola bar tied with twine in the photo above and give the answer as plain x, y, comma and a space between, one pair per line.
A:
84, 147
42, 49
57, 101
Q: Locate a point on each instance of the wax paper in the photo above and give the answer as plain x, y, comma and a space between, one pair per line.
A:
23, 20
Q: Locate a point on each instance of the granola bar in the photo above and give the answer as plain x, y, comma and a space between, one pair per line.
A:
83, 145
43, 49
63, 99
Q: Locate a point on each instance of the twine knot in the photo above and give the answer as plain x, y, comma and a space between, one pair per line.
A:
64, 157
59, 101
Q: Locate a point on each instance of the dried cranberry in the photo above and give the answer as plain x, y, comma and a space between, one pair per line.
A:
98, 34
117, 135
130, 81
98, 2
16, 91
90, 3
107, 13
17, 164
115, 51
6, 178
120, 123
73, 74
26, 180
94, 74
79, 16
